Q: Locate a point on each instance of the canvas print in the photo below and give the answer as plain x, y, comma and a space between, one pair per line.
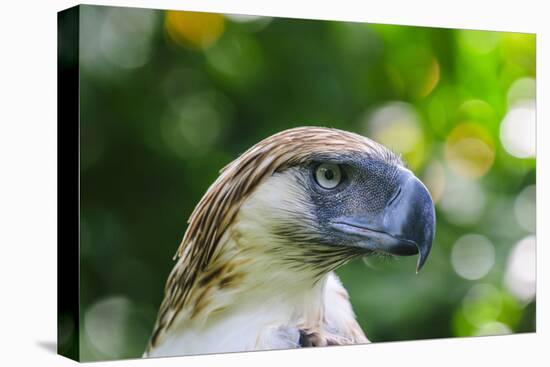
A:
243, 183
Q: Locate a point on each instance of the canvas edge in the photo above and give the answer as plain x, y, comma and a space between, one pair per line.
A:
68, 201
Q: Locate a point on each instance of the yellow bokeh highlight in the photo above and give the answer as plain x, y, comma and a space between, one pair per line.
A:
519, 49
192, 29
405, 139
469, 150
397, 126
432, 79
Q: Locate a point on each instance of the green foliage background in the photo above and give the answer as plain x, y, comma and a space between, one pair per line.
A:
160, 115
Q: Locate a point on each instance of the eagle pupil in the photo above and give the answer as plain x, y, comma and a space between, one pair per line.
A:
329, 174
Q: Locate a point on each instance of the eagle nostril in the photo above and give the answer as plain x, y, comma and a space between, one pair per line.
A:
395, 196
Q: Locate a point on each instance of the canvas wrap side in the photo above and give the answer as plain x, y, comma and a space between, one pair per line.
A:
68, 183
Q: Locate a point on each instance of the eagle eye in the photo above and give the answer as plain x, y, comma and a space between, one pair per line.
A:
328, 175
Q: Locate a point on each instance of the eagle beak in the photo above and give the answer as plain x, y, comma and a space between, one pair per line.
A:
405, 227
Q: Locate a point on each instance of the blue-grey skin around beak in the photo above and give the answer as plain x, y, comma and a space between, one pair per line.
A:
406, 226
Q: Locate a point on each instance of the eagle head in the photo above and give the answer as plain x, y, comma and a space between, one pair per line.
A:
288, 211
339, 196
319, 197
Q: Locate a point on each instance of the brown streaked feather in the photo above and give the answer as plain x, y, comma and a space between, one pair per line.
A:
218, 207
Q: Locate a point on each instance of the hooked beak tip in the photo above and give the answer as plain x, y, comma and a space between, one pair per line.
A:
423, 253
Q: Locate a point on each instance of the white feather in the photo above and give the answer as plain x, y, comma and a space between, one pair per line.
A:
273, 302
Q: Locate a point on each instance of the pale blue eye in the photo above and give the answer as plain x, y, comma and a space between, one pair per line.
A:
328, 175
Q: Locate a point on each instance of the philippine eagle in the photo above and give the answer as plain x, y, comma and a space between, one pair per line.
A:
255, 268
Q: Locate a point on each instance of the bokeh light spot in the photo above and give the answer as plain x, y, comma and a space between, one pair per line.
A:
473, 256
481, 42
517, 130
434, 178
480, 112
519, 50
193, 127
251, 23
463, 201
396, 126
193, 29
520, 277
114, 327
482, 304
469, 150
432, 78
523, 89
105, 323
525, 208
126, 35
237, 59
493, 328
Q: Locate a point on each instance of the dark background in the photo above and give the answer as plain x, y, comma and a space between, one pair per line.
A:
169, 98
